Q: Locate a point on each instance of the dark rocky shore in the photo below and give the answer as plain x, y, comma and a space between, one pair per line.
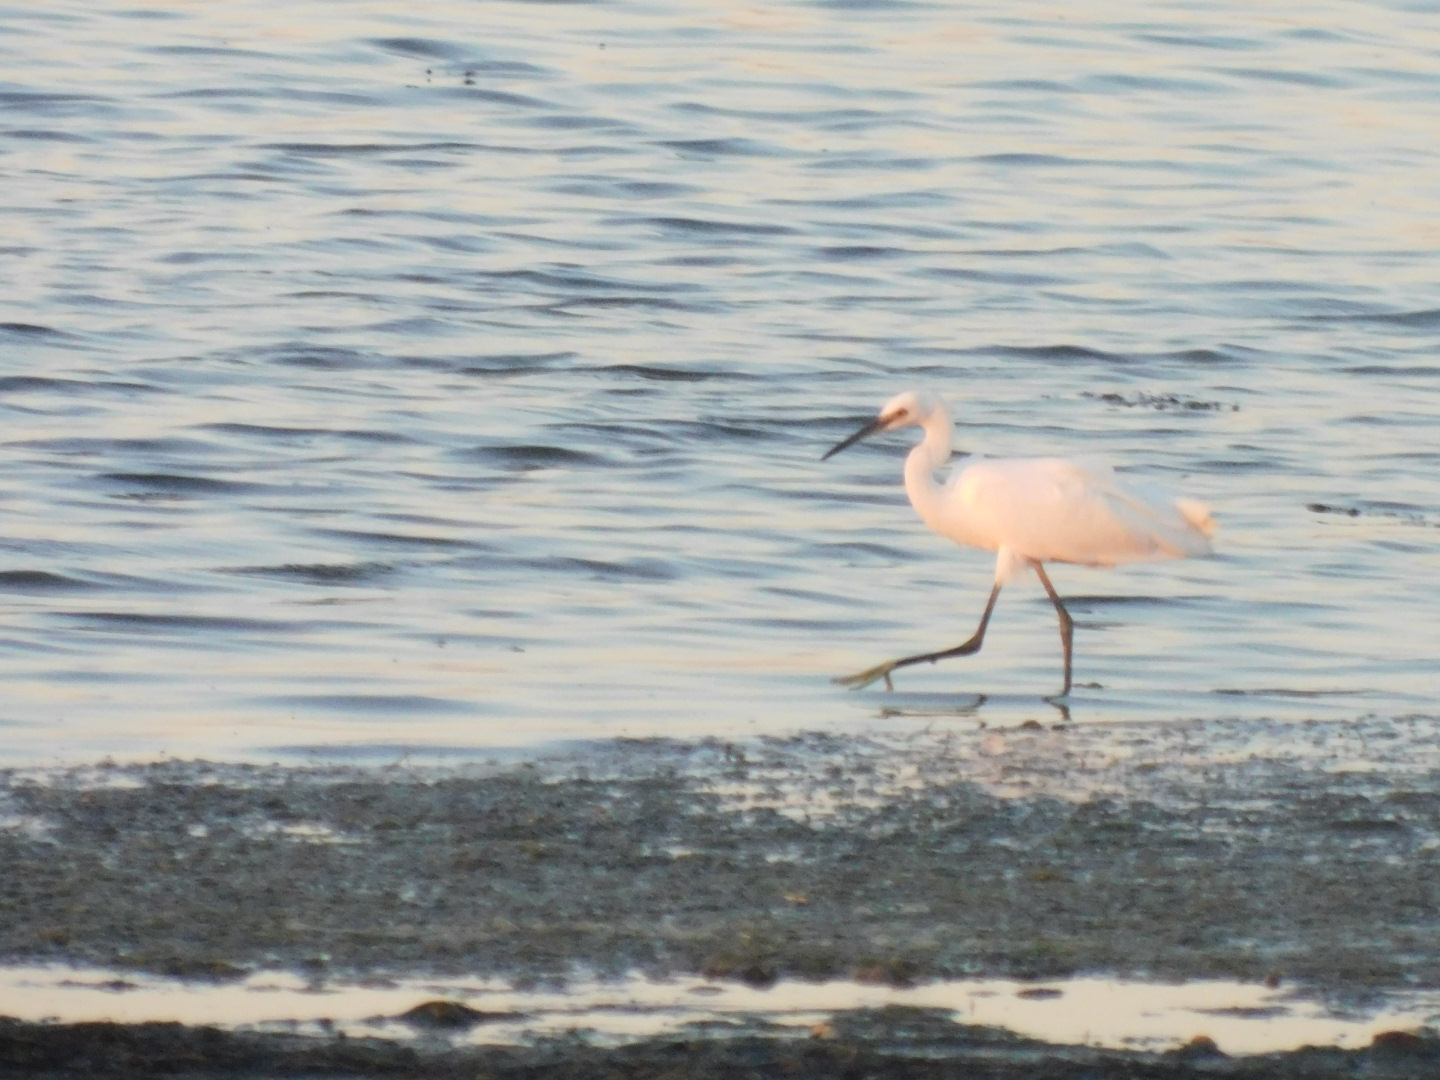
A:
903, 1044
1193, 852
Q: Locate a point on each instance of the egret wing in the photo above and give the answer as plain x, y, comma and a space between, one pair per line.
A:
1051, 509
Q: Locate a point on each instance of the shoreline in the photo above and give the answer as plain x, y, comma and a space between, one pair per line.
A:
895, 1043
1028, 853
1168, 853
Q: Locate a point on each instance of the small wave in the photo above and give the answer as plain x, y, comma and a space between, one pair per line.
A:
288, 94
578, 122
461, 58
1286, 693
605, 188
1056, 352
22, 384
180, 484
1208, 356
710, 227
650, 189
884, 200
321, 573
628, 434
780, 622
1426, 319
1109, 83
387, 704
45, 135
661, 303
81, 445
734, 147
470, 92
664, 374
363, 149
874, 162
513, 363
20, 101
207, 51
1219, 42
1031, 161
266, 431
1040, 86
425, 48
39, 581
992, 277
604, 570
395, 541
569, 280
31, 330
867, 550
193, 258
1102, 600
858, 253
149, 621
701, 432
1411, 371
323, 357
532, 457
867, 5
1296, 78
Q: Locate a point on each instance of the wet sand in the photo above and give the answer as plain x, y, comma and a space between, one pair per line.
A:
1300, 853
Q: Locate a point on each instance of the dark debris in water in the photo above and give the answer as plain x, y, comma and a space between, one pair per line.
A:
1162, 402
1393, 513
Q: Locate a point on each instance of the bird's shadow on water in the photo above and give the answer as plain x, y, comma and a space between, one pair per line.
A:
986, 710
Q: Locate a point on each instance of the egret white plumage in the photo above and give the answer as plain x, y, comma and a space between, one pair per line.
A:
1029, 512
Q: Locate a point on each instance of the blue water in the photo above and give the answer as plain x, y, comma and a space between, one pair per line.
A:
383, 379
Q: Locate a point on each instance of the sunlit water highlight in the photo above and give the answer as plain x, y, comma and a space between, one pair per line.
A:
381, 380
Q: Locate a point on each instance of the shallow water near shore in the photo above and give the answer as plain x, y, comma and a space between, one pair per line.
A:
381, 382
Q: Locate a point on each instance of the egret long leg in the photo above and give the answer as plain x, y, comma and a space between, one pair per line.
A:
1067, 624
968, 648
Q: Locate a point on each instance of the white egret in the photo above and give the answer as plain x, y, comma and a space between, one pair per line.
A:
1029, 512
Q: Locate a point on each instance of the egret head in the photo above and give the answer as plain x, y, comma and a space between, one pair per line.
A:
910, 409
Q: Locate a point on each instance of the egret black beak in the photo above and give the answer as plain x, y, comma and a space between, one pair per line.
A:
878, 424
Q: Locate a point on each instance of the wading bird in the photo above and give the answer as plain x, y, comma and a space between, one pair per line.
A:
1029, 512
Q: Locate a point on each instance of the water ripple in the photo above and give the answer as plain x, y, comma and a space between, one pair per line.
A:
452, 335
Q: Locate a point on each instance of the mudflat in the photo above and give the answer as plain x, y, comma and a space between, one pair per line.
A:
1298, 853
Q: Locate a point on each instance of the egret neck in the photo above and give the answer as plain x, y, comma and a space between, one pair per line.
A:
930, 454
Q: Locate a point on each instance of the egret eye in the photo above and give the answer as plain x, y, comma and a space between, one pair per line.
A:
899, 414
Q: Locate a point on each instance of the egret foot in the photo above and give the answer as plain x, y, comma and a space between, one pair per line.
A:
862, 679
1055, 702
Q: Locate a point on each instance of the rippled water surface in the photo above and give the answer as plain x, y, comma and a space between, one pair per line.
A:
384, 378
